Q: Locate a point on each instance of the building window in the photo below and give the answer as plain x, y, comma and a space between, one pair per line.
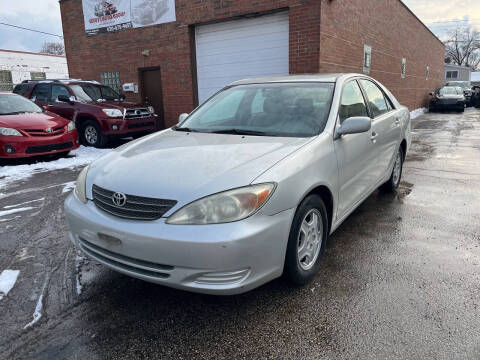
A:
428, 72
6, 83
404, 68
452, 74
112, 79
37, 76
367, 59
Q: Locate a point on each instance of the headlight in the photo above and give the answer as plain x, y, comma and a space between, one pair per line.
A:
71, 126
151, 109
112, 112
9, 132
228, 206
80, 185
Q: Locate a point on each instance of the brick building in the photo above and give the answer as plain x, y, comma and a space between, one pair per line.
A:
213, 42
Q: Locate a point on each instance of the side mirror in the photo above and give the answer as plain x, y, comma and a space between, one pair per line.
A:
182, 117
432, 94
66, 99
122, 97
354, 125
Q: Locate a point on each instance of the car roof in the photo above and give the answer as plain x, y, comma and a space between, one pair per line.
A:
60, 81
293, 78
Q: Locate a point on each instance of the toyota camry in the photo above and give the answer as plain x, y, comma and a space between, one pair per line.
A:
247, 187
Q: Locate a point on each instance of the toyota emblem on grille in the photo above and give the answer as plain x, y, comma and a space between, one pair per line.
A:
49, 130
119, 199
138, 112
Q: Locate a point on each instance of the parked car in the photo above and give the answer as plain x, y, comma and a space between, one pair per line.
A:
447, 98
466, 88
246, 187
103, 114
27, 130
476, 96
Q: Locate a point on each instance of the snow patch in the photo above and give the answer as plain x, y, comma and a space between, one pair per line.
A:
23, 203
13, 211
37, 313
8, 278
416, 113
82, 156
78, 269
67, 187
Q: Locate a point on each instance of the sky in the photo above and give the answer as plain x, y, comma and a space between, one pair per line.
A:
441, 16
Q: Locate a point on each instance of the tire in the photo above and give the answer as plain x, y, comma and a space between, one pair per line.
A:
301, 269
431, 108
91, 135
394, 181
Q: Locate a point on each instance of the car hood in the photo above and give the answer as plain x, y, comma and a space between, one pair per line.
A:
32, 121
187, 166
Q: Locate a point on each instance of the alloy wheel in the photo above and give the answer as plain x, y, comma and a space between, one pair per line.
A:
309, 240
397, 169
91, 134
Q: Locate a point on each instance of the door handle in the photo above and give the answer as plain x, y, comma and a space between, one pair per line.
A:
397, 121
374, 136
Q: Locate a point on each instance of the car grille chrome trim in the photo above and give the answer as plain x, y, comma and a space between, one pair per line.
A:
41, 132
135, 208
126, 263
137, 113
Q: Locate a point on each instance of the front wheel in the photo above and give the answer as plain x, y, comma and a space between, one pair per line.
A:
91, 135
307, 240
392, 184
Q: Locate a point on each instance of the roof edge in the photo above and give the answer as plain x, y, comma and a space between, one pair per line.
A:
31, 53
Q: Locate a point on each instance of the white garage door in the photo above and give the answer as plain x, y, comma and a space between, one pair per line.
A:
240, 49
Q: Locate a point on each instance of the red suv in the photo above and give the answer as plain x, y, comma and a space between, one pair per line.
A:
102, 112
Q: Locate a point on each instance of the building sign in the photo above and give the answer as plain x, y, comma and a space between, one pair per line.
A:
103, 16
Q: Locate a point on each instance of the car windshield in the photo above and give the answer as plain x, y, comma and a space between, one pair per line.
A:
272, 109
93, 92
462, 84
450, 91
11, 104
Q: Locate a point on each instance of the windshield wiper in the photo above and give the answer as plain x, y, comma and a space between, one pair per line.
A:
15, 113
186, 129
241, 132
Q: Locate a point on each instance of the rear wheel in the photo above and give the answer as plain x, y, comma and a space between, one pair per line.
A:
392, 184
307, 240
91, 135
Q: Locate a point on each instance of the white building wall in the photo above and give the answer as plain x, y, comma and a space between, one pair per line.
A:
22, 63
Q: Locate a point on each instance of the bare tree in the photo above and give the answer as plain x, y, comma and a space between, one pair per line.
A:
54, 48
463, 47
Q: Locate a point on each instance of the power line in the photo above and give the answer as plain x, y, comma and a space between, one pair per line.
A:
37, 31
453, 21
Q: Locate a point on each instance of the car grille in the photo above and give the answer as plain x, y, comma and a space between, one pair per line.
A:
137, 113
136, 207
41, 132
140, 125
48, 148
126, 263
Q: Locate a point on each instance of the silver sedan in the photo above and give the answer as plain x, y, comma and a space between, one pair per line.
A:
246, 188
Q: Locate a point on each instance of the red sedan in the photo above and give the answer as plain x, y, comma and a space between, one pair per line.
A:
28, 130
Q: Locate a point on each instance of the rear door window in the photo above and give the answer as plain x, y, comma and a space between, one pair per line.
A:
376, 99
41, 92
20, 89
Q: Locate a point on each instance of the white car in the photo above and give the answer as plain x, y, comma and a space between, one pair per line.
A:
247, 187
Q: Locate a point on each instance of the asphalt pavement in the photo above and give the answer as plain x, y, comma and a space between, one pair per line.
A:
400, 278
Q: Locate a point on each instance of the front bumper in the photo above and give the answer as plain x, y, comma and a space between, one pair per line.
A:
27, 146
449, 104
222, 259
125, 127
